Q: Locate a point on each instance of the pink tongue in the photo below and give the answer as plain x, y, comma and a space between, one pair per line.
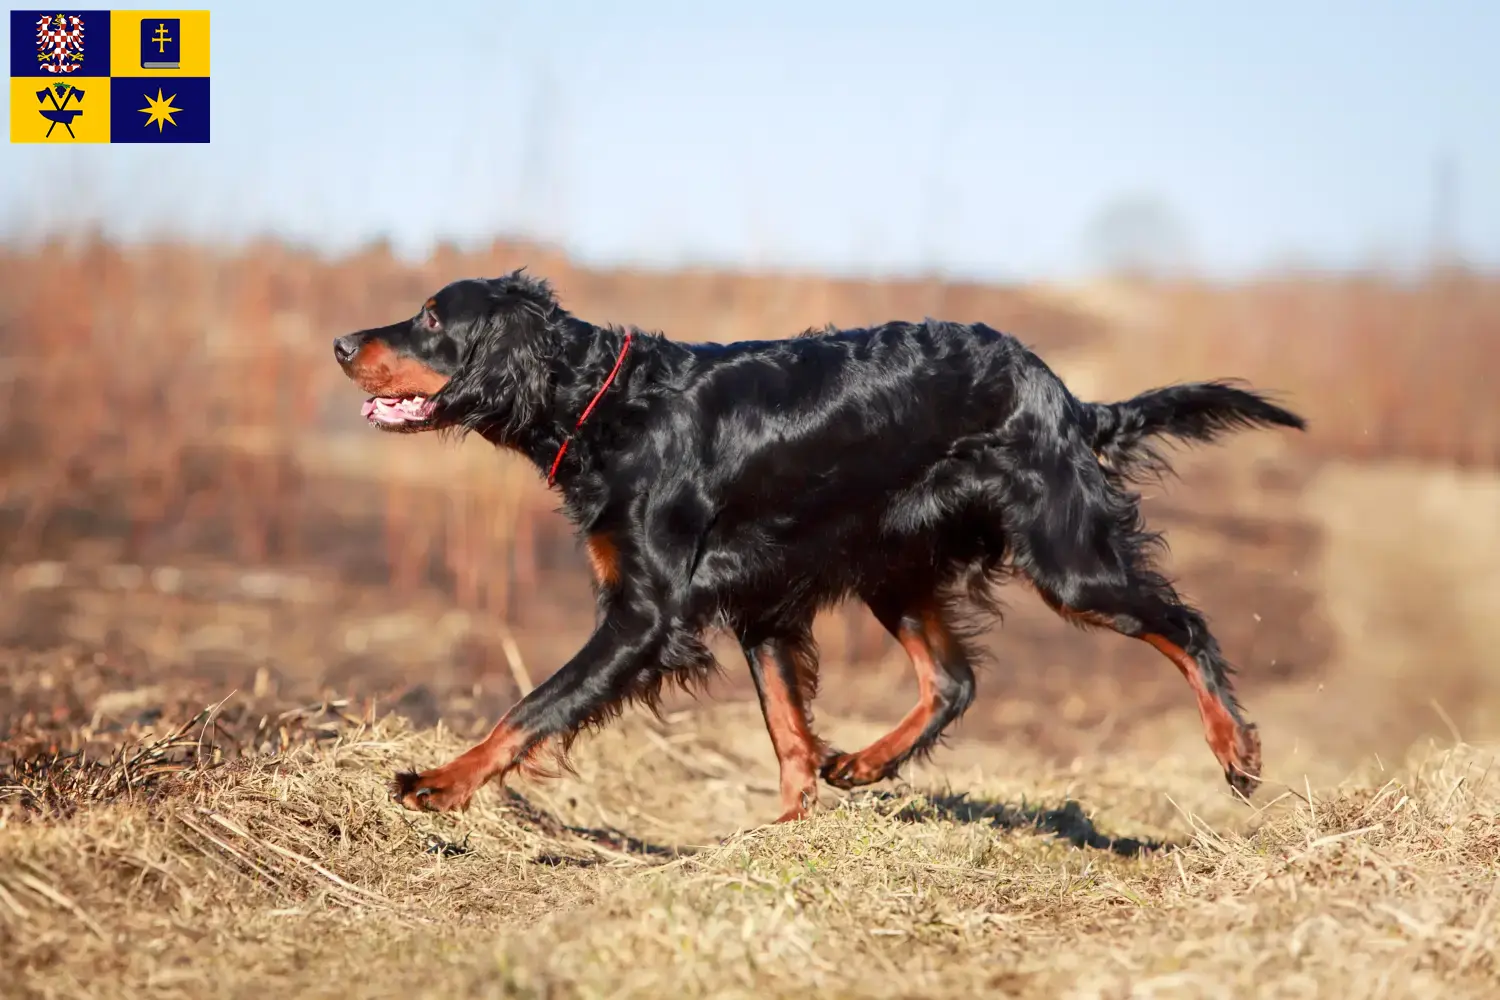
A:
396, 411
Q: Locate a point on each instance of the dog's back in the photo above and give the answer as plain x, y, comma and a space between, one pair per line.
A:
879, 404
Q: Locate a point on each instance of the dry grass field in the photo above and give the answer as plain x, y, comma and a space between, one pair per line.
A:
290, 874
229, 611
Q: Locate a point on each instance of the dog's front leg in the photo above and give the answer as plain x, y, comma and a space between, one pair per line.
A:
596, 679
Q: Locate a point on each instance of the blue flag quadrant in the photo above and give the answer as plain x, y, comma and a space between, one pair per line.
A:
57, 45
158, 109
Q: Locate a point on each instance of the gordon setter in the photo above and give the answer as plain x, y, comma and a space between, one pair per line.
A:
747, 486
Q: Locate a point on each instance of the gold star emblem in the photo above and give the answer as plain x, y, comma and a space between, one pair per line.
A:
160, 110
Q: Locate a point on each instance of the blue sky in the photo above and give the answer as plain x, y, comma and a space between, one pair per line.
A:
975, 139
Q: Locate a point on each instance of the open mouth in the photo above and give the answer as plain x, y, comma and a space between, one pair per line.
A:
406, 413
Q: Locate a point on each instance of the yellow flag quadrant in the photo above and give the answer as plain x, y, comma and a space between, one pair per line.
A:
79, 114
125, 42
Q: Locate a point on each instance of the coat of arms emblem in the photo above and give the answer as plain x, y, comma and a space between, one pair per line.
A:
59, 42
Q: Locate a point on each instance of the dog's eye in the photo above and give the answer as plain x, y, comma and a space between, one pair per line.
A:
429, 319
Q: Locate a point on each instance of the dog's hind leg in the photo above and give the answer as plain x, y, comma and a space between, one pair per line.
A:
1080, 541
1151, 613
785, 673
945, 680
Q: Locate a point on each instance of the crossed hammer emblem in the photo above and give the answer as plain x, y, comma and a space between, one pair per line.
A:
60, 113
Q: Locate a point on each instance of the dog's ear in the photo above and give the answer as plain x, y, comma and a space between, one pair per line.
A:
525, 338
504, 381
522, 287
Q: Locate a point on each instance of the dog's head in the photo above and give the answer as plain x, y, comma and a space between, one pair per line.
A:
475, 356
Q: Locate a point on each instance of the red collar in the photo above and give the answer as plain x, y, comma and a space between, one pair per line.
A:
552, 473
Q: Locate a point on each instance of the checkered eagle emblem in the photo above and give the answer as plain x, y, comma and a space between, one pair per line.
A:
59, 42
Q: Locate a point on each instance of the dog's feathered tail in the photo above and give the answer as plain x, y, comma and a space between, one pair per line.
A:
1196, 412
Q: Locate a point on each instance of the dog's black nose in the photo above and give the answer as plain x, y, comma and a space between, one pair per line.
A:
344, 350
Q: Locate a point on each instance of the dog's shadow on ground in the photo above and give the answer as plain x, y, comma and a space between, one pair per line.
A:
608, 840
1069, 822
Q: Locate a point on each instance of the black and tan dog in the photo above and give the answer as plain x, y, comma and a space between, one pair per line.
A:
747, 486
